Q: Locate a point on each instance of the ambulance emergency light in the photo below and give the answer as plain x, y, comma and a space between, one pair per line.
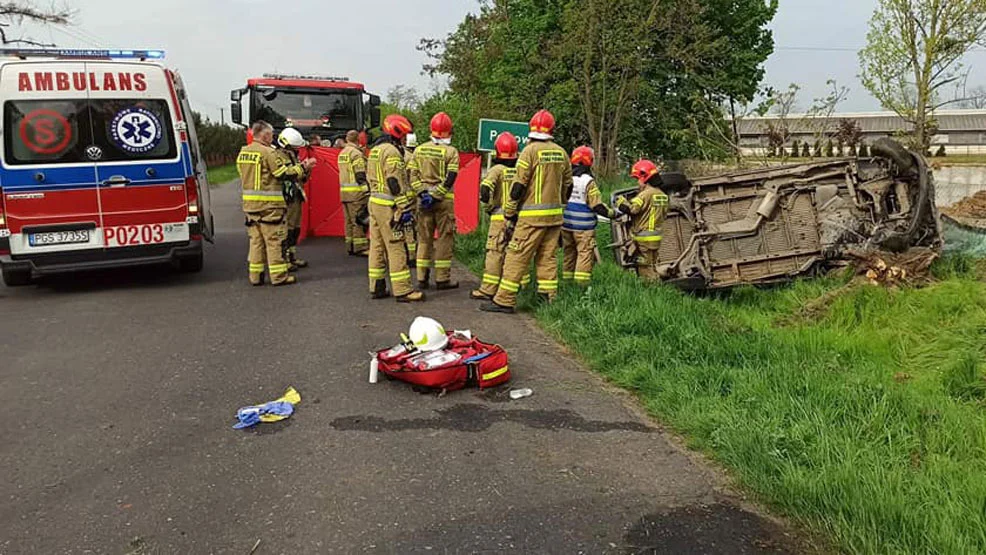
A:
24, 53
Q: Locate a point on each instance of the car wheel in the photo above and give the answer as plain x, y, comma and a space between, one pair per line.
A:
16, 278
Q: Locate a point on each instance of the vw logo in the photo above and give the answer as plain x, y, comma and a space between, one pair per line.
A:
94, 152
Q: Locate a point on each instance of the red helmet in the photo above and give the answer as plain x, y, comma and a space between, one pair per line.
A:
441, 126
397, 126
542, 126
644, 170
583, 155
506, 146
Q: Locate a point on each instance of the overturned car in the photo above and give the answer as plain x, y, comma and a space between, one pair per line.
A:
773, 224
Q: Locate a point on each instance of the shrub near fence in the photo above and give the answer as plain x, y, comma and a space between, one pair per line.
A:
219, 143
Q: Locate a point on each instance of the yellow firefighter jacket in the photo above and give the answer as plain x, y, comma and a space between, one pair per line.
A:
647, 209
260, 172
351, 162
430, 166
544, 169
385, 162
498, 181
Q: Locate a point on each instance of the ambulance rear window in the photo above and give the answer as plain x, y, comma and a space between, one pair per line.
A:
94, 130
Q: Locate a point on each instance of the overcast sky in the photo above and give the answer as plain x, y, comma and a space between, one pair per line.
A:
218, 44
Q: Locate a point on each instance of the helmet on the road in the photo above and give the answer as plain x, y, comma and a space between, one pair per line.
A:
411, 141
397, 126
292, 138
506, 146
441, 127
427, 334
643, 170
583, 155
542, 126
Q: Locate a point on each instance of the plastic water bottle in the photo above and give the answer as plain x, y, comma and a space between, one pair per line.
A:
521, 393
374, 370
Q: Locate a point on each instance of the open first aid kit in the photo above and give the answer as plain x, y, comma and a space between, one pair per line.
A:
452, 361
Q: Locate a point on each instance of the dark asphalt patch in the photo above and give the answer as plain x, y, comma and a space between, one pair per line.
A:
477, 418
704, 530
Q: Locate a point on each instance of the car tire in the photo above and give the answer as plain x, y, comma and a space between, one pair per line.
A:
895, 152
191, 264
16, 278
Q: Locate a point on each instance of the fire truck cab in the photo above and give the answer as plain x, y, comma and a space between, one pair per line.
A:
100, 165
319, 105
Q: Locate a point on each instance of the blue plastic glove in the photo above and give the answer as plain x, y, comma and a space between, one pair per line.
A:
427, 201
250, 416
407, 217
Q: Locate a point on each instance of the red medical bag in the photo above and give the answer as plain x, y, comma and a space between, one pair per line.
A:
463, 362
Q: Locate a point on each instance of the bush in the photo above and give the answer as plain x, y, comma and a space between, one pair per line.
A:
795, 150
829, 149
818, 149
940, 153
219, 143
805, 151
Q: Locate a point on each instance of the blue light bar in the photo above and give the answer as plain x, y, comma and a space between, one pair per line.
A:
24, 53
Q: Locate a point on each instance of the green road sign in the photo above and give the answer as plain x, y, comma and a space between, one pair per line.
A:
490, 129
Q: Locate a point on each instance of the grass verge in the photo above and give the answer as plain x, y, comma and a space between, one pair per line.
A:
222, 174
866, 422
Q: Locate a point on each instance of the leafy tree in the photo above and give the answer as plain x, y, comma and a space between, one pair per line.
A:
404, 97
818, 149
829, 149
914, 48
848, 133
805, 150
219, 143
795, 148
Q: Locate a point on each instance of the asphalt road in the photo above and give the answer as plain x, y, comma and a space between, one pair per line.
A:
119, 389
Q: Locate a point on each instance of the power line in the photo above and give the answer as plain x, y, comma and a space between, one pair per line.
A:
839, 49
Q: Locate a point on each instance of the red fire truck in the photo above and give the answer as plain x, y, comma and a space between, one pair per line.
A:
321, 105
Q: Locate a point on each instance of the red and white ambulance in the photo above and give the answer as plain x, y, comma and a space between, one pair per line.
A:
100, 165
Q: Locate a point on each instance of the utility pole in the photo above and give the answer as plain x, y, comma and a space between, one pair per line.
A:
222, 116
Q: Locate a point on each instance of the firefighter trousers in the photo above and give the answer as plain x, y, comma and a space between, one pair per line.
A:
356, 241
411, 239
432, 252
529, 242
292, 223
388, 252
647, 260
579, 248
267, 232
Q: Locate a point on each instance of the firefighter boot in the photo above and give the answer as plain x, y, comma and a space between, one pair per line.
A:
380, 289
290, 280
446, 285
493, 307
412, 297
478, 295
424, 276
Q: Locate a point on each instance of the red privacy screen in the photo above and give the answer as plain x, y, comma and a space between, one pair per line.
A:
323, 214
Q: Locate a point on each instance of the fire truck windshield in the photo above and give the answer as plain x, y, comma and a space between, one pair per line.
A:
308, 111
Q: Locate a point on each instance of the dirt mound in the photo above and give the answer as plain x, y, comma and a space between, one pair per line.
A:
972, 207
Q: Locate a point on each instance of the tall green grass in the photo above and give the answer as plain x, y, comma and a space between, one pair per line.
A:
865, 420
222, 174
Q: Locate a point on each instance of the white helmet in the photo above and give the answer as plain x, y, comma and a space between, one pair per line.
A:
427, 334
411, 140
291, 137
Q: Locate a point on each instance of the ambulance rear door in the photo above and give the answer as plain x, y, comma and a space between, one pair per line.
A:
49, 181
140, 167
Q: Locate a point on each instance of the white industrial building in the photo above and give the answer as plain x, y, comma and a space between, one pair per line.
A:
960, 131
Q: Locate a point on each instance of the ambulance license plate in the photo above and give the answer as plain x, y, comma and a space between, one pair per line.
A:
58, 237
145, 234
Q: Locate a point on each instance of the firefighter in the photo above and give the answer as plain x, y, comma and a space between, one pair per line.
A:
289, 141
411, 239
391, 214
354, 190
260, 170
579, 228
494, 193
534, 215
433, 171
647, 211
